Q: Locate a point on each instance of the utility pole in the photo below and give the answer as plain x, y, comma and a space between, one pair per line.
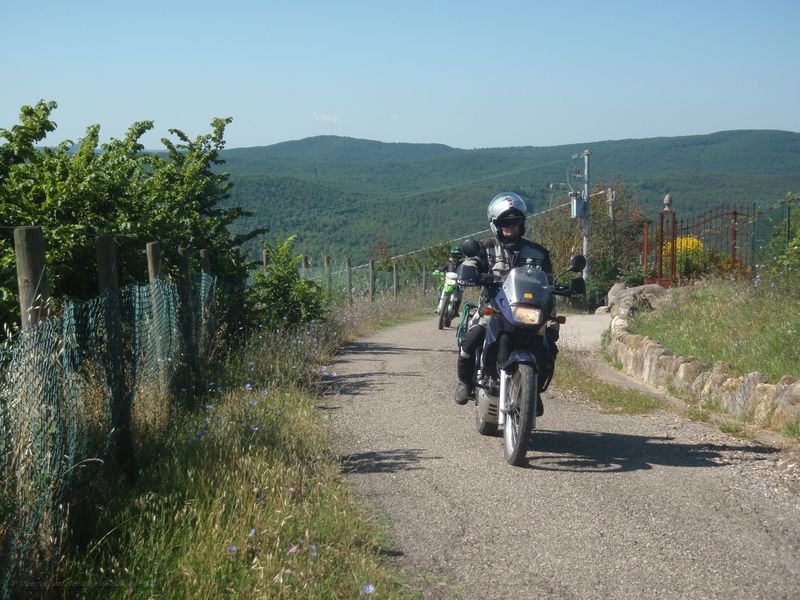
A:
611, 196
585, 210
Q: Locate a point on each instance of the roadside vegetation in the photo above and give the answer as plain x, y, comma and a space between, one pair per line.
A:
575, 376
753, 326
244, 497
237, 494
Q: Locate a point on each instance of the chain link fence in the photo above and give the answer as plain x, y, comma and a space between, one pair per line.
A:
74, 390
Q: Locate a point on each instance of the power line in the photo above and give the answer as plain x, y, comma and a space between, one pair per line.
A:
408, 194
464, 237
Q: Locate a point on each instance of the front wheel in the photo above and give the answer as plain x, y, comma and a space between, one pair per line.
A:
443, 304
523, 394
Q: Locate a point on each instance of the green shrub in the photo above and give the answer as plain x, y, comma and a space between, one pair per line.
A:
279, 295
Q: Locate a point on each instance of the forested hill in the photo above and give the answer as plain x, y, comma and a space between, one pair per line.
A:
342, 196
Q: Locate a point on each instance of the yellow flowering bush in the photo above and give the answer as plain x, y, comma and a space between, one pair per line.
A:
690, 255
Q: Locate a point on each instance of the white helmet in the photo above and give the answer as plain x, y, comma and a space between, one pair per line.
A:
506, 208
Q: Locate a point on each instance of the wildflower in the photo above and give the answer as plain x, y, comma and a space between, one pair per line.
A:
368, 589
312, 550
248, 387
251, 365
251, 533
264, 392
294, 549
209, 407
292, 490
201, 433
253, 402
254, 428
232, 548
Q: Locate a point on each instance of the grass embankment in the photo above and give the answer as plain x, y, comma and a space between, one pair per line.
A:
752, 327
243, 498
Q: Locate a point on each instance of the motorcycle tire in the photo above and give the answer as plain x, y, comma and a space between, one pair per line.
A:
443, 310
523, 392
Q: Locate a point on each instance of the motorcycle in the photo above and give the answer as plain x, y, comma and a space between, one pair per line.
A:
449, 299
514, 364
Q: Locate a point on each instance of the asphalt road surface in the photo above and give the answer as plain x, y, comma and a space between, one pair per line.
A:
608, 506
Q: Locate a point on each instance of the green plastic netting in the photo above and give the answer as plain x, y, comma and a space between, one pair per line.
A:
68, 387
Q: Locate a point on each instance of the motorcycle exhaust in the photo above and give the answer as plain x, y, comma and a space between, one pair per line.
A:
487, 406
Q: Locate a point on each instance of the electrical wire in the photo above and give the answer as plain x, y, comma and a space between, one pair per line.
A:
376, 201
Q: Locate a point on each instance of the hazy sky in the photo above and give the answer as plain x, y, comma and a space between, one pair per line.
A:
467, 74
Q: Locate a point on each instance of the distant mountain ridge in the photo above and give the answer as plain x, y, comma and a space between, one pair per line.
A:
340, 194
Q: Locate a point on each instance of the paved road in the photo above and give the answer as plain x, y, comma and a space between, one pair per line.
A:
608, 506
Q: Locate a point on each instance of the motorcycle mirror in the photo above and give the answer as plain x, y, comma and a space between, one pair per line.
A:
577, 263
470, 247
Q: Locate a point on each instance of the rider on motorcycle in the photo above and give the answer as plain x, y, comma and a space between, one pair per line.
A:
499, 254
452, 264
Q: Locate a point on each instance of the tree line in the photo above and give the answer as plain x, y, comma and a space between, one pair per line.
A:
78, 191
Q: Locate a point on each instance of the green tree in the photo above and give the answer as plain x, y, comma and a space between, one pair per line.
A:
278, 295
781, 256
76, 192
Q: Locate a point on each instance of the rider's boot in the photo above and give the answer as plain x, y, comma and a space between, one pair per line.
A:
464, 392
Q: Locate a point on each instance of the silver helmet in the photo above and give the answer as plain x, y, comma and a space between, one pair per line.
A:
504, 209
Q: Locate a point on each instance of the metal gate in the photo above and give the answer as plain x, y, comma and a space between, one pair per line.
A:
717, 241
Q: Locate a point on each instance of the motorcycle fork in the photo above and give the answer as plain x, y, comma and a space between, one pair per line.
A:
502, 355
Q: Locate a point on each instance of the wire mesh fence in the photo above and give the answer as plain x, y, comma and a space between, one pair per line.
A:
68, 389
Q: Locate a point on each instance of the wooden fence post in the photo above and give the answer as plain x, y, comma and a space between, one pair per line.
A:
424, 280
264, 258
372, 280
34, 290
186, 316
394, 279
328, 280
108, 281
349, 270
185, 286
153, 260
107, 275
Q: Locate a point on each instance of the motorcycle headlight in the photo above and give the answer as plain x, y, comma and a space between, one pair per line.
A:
528, 315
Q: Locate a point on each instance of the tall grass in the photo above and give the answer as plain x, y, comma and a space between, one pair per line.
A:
753, 326
242, 498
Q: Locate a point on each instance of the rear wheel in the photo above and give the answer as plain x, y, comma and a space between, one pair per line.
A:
520, 406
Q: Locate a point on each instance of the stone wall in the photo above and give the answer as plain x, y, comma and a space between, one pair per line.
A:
748, 397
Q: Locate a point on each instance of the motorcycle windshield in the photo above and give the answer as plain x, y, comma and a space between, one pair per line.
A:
527, 284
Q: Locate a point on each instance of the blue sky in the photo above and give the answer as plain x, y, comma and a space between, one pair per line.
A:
466, 74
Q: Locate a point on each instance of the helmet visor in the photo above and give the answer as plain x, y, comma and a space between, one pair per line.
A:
510, 218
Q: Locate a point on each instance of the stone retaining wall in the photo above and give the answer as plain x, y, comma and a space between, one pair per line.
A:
749, 396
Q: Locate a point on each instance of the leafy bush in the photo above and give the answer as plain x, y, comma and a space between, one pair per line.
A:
76, 192
781, 256
279, 297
